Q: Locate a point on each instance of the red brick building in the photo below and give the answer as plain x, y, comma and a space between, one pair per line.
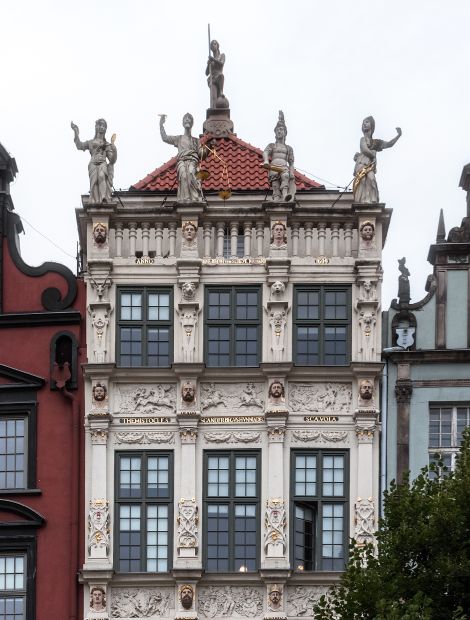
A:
41, 349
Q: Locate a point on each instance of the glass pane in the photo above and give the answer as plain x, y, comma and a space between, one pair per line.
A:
157, 538
307, 346
157, 476
305, 475
332, 536
245, 538
245, 476
12, 453
131, 306
159, 307
308, 303
218, 537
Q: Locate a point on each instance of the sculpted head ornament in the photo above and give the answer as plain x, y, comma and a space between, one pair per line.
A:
187, 596
100, 233
188, 392
278, 288
366, 389
99, 392
367, 230
189, 230
97, 598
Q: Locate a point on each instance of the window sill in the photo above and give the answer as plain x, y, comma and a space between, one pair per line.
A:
20, 492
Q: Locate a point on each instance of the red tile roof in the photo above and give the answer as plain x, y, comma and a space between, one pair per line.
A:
243, 171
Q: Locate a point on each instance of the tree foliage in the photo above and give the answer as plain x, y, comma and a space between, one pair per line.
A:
420, 568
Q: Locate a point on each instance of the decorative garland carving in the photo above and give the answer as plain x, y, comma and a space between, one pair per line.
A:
275, 522
98, 525
188, 520
145, 437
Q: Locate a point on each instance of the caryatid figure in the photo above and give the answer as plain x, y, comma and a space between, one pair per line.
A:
101, 166
278, 159
190, 153
365, 185
215, 77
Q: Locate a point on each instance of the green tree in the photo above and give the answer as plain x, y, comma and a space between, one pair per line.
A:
420, 568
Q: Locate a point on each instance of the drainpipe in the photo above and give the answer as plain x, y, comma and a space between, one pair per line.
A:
383, 437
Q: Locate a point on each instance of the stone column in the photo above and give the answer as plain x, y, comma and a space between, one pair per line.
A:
99, 527
188, 542
207, 233
275, 520
403, 393
158, 239
295, 226
308, 228
220, 231
118, 237
247, 231
259, 237
172, 238
348, 239
132, 238
321, 238
145, 238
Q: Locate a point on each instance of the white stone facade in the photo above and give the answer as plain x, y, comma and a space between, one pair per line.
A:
321, 408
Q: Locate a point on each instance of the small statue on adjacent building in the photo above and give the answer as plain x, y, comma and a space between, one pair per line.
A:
215, 76
190, 153
365, 185
278, 159
101, 166
403, 283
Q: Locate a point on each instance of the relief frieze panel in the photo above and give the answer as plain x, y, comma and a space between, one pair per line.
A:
302, 599
320, 397
142, 602
230, 602
147, 400
232, 397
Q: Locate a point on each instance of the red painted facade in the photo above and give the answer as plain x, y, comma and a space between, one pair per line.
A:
48, 510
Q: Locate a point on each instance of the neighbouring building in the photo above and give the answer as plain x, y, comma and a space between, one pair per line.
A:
41, 427
427, 353
232, 411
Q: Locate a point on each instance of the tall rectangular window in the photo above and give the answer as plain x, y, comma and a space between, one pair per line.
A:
13, 454
13, 583
446, 425
143, 508
231, 490
322, 318
145, 327
232, 326
319, 495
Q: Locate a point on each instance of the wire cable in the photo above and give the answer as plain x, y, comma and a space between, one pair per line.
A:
23, 219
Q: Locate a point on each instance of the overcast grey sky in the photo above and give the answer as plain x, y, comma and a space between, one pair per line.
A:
327, 65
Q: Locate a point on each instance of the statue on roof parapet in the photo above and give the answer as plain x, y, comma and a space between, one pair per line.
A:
278, 159
215, 76
190, 153
101, 165
365, 185
403, 283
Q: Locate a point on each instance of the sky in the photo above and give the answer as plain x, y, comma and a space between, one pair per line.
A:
326, 64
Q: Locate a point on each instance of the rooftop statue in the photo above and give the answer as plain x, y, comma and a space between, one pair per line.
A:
101, 166
365, 185
403, 283
190, 153
278, 159
215, 79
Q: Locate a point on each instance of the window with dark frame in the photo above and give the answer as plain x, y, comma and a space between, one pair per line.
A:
446, 425
231, 524
322, 318
319, 493
13, 586
144, 511
17, 447
232, 326
145, 327
228, 243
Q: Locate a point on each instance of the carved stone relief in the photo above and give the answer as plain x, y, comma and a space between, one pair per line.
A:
141, 602
301, 599
99, 317
320, 436
97, 609
100, 284
98, 525
99, 436
188, 291
188, 520
274, 601
320, 397
365, 396
229, 396
366, 333
232, 437
149, 399
189, 320
145, 437
275, 522
277, 321
364, 520
230, 601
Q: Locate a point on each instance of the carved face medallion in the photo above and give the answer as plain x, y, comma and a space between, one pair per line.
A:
278, 233
100, 233
276, 389
187, 596
99, 392
188, 392
278, 288
189, 231
189, 290
366, 389
97, 599
275, 595
367, 231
